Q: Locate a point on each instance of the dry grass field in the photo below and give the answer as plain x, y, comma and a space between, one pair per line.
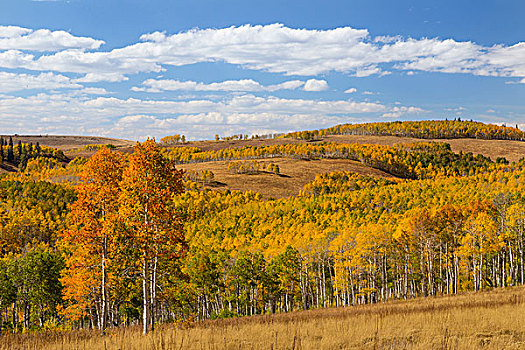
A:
488, 320
294, 174
512, 150
72, 146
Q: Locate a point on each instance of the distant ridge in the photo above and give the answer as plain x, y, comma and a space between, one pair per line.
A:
426, 129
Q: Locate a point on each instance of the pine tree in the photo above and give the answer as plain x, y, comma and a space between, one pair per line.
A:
2, 149
10, 153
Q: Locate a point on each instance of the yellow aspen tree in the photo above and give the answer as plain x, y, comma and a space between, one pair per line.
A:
150, 184
92, 217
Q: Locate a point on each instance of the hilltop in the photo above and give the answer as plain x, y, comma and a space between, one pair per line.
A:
72, 146
295, 173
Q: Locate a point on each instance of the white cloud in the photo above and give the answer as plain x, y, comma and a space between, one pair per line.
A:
10, 82
367, 71
455, 109
398, 112
350, 91
80, 113
246, 85
315, 85
13, 31
273, 48
17, 38
94, 91
100, 77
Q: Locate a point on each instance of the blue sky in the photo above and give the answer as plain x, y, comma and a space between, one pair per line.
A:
134, 69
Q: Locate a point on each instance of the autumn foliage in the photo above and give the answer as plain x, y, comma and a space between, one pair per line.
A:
127, 244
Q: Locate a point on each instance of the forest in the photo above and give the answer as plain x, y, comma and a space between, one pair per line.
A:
122, 239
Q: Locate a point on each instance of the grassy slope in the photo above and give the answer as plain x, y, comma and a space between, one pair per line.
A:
298, 172
512, 150
488, 320
294, 173
71, 145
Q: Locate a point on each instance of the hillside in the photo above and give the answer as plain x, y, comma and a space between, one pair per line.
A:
296, 173
72, 146
255, 227
510, 149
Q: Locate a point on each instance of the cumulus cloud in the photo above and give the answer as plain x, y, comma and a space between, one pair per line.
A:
13, 31
398, 112
76, 61
101, 77
273, 48
81, 113
17, 38
246, 85
315, 85
94, 91
10, 82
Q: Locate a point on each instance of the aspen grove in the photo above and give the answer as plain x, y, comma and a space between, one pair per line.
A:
126, 239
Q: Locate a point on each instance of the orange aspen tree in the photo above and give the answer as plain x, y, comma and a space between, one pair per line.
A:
89, 240
150, 184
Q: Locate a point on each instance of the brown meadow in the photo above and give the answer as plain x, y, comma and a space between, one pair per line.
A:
488, 320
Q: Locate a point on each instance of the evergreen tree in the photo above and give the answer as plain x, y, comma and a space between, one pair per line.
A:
10, 154
20, 151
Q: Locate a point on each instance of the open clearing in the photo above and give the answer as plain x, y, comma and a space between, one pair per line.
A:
72, 146
294, 174
511, 150
488, 320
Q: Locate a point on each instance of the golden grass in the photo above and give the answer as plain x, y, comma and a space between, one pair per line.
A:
294, 174
511, 150
65, 143
489, 320
299, 172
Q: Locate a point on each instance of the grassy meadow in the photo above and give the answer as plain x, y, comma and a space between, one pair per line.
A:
487, 320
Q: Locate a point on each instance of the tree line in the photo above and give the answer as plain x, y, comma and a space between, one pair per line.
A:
412, 161
22, 153
425, 129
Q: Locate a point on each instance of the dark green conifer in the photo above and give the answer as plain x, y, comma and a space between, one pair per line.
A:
10, 153
20, 150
